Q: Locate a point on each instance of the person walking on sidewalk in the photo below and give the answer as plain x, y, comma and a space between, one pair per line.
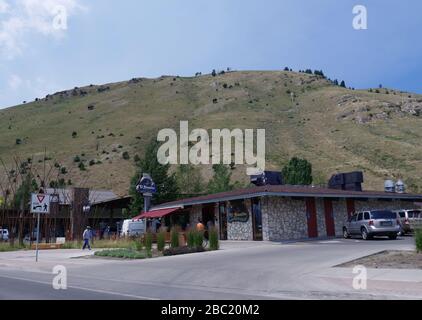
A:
87, 235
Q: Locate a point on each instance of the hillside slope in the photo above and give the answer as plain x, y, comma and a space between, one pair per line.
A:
335, 128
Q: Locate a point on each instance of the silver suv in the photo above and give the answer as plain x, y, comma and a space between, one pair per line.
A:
409, 220
369, 224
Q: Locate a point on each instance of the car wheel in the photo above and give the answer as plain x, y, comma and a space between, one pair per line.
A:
365, 235
393, 237
346, 234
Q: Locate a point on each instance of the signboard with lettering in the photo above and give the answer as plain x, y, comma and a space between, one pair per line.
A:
237, 212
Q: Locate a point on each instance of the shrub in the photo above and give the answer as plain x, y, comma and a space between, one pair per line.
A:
148, 243
77, 159
18, 141
138, 245
191, 238
199, 239
126, 155
74, 134
161, 241
418, 239
82, 166
213, 238
174, 238
92, 163
121, 253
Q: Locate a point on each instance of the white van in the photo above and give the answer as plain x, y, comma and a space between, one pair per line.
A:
133, 228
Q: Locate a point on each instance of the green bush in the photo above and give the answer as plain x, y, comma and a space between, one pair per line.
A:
161, 241
418, 239
148, 243
199, 239
191, 238
138, 245
121, 253
213, 238
174, 238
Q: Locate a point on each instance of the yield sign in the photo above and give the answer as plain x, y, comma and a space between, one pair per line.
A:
40, 203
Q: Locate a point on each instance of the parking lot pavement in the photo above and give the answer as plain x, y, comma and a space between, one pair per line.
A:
250, 270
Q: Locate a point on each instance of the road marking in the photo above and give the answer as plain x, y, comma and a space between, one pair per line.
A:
84, 289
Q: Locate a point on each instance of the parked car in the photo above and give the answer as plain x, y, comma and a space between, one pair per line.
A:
133, 228
409, 220
4, 235
369, 224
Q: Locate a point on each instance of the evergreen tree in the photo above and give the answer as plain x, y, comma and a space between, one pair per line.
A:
343, 84
166, 183
221, 181
189, 180
298, 172
335, 82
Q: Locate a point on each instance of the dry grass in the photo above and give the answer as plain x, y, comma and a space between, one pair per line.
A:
130, 114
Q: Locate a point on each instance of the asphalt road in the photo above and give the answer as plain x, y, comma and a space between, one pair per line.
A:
241, 270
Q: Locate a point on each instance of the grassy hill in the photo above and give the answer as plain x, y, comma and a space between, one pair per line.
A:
337, 129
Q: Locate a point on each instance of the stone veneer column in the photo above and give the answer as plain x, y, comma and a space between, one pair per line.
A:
241, 230
321, 223
265, 213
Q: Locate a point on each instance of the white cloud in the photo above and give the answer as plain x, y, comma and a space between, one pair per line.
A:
4, 6
25, 17
15, 82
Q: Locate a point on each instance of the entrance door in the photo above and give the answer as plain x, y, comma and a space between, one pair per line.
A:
329, 218
350, 207
257, 220
311, 215
223, 221
208, 214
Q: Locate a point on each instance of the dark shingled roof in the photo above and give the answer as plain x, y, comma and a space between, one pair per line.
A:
290, 191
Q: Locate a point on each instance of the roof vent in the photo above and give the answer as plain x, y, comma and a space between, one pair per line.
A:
267, 178
389, 186
351, 181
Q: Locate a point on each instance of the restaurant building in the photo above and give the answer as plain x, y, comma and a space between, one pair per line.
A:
278, 212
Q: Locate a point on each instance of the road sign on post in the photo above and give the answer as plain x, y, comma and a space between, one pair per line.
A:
40, 204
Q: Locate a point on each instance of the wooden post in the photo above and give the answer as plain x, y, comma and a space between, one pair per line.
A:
78, 218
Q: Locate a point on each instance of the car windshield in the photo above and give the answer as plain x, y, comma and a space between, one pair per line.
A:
376, 215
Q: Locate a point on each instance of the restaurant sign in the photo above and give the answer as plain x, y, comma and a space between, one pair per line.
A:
238, 212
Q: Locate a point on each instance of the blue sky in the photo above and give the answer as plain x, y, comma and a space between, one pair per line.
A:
111, 40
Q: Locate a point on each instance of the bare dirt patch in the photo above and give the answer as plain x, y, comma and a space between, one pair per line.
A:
389, 260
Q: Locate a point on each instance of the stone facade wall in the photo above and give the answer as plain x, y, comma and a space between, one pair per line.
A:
284, 219
340, 216
241, 230
321, 224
